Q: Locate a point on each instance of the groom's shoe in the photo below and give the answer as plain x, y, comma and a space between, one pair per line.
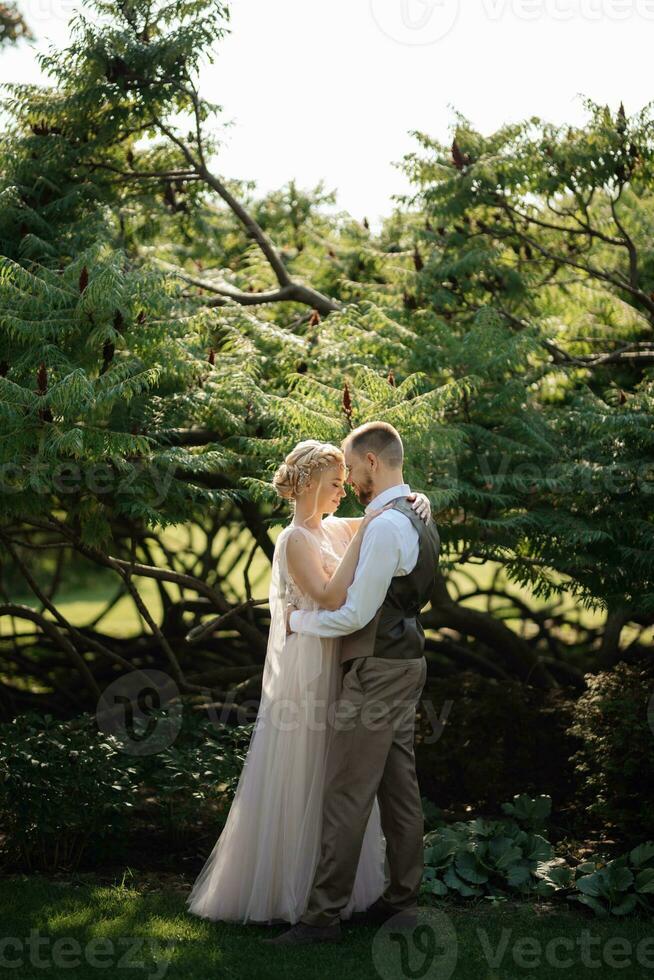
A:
301, 934
379, 913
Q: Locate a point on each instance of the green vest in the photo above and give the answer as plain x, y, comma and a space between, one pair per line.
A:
395, 631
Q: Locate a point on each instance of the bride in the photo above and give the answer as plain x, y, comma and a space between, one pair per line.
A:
262, 866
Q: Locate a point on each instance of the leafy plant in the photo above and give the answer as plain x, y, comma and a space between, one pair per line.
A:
489, 858
494, 713
62, 784
620, 886
532, 814
432, 814
494, 859
202, 767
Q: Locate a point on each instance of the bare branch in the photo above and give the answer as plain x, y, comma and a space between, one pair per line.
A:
204, 629
628, 242
56, 635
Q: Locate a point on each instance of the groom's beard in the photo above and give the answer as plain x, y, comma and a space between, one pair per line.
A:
365, 492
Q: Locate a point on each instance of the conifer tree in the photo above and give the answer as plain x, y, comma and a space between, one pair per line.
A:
124, 395
166, 334
517, 278
521, 264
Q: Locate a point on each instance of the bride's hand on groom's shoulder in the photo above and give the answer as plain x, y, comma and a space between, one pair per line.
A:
371, 514
420, 503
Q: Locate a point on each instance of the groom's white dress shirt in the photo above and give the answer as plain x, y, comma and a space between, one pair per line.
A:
389, 548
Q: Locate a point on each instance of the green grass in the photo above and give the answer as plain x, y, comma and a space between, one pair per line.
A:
154, 927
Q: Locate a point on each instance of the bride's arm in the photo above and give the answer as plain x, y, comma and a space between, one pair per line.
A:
420, 504
305, 566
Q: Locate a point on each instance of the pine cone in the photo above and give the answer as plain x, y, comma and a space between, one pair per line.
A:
621, 124
108, 351
42, 379
459, 159
347, 404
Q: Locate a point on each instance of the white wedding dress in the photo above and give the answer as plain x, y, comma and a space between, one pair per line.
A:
261, 868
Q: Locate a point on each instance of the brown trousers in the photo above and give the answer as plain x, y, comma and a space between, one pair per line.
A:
370, 753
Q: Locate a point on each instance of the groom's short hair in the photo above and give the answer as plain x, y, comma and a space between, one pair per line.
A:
380, 438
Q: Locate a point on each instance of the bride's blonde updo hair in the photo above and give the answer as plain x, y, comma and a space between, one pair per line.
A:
308, 457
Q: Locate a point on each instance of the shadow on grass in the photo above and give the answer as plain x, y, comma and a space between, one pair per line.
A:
80, 930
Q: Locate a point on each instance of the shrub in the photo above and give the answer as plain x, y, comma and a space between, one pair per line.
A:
500, 738
64, 785
531, 814
61, 785
614, 762
196, 775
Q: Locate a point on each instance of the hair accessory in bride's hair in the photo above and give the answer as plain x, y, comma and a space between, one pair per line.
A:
294, 474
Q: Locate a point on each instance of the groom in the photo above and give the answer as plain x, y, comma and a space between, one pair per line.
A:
384, 670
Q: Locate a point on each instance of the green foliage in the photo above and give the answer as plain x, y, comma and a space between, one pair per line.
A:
197, 772
497, 859
490, 858
116, 364
618, 887
62, 785
103, 361
494, 714
432, 814
531, 814
544, 232
153, 370
614, 764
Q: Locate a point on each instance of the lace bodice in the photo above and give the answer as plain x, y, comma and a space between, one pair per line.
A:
332, 541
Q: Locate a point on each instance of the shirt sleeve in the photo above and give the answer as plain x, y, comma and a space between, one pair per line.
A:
379, 561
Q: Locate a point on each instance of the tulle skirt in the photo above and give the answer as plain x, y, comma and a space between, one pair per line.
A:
262, 866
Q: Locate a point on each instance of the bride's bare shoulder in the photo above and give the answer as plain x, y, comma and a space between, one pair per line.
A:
298, 539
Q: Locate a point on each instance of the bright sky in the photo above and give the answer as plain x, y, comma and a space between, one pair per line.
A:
330, 90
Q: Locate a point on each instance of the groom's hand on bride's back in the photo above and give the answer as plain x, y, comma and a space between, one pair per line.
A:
287, 618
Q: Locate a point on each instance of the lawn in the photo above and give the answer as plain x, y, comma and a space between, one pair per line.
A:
79, 927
